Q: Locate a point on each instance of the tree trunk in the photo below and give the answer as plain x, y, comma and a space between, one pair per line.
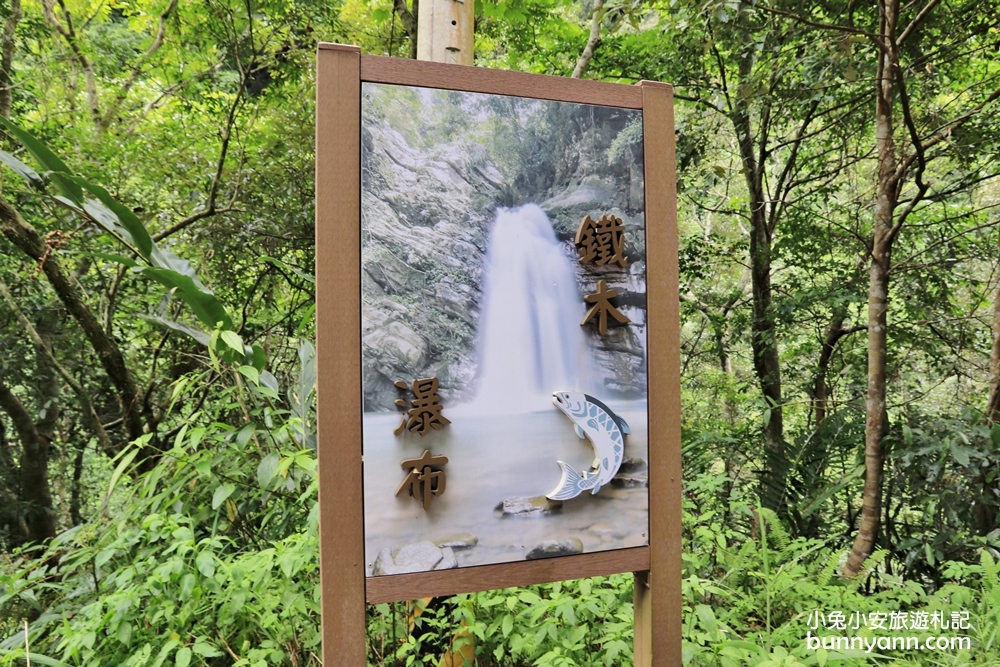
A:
993, 403
876, 418
763, 341
39, 518
820, 389
409, 20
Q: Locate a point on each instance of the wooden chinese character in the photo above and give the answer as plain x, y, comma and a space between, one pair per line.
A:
601, 242
422, 481
425, 414
602, 308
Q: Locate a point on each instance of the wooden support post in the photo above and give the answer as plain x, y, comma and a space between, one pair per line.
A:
338, 353
445, 31
658, 609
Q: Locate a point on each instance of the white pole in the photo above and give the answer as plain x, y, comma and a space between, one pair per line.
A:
445, 31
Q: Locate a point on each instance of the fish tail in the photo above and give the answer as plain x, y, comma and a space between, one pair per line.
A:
571, 484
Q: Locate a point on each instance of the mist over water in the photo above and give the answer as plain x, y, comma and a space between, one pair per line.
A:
529, 342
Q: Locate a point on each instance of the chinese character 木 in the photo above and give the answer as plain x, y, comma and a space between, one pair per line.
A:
421, 480
601, 242
602, 308
425, 414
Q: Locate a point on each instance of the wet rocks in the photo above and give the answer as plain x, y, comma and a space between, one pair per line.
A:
458, 541
528, 506
418, 557
633, 480
551, 548
633, 464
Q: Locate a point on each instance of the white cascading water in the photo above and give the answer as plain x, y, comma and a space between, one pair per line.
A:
529, 342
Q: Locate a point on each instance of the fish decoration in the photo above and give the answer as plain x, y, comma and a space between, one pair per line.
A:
606, 431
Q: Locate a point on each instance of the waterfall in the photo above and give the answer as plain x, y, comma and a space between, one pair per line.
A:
529, 341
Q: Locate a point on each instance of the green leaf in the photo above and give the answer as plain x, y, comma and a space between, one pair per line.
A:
208, 309
259, 358
43, 659
206, 650
250, 373
233, 340
118, 259
995, 436
221, 494
961, 455
267, 469
57, 168
129, 220
205, 562
201, 336
183, 657
23, 170
119, 471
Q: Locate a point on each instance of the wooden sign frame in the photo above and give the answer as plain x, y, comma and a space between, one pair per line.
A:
345, 589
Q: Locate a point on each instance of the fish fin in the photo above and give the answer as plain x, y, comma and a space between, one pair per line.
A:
569, 484
579, 432
623, 425
596, 489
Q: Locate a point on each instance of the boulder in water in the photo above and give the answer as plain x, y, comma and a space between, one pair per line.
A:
551, 548
418, 557
524, 506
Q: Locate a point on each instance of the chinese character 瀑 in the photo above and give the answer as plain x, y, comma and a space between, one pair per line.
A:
602, 308
835, 621
421, 480
426, 411
919, 620
898, 620
877, 619
601, 242
816, 619
960, 620
857, 620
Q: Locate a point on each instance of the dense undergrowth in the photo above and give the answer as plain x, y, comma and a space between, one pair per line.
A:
211, 558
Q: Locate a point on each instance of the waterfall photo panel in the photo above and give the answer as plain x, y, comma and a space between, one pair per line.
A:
503, 329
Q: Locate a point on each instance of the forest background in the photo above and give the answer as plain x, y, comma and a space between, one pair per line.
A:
838, 199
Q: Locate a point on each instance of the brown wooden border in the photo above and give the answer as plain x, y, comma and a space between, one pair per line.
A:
345, 590
505, 575
403, 71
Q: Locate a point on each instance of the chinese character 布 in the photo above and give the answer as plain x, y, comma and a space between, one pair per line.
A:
421, 480
426, 411
602, 308
601, 242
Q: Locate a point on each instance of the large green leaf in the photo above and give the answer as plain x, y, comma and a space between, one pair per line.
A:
58, 171
23, 170
126, 218
205, 305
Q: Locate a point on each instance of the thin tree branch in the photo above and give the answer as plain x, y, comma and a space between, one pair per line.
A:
917, 20
213, 190
112, 111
